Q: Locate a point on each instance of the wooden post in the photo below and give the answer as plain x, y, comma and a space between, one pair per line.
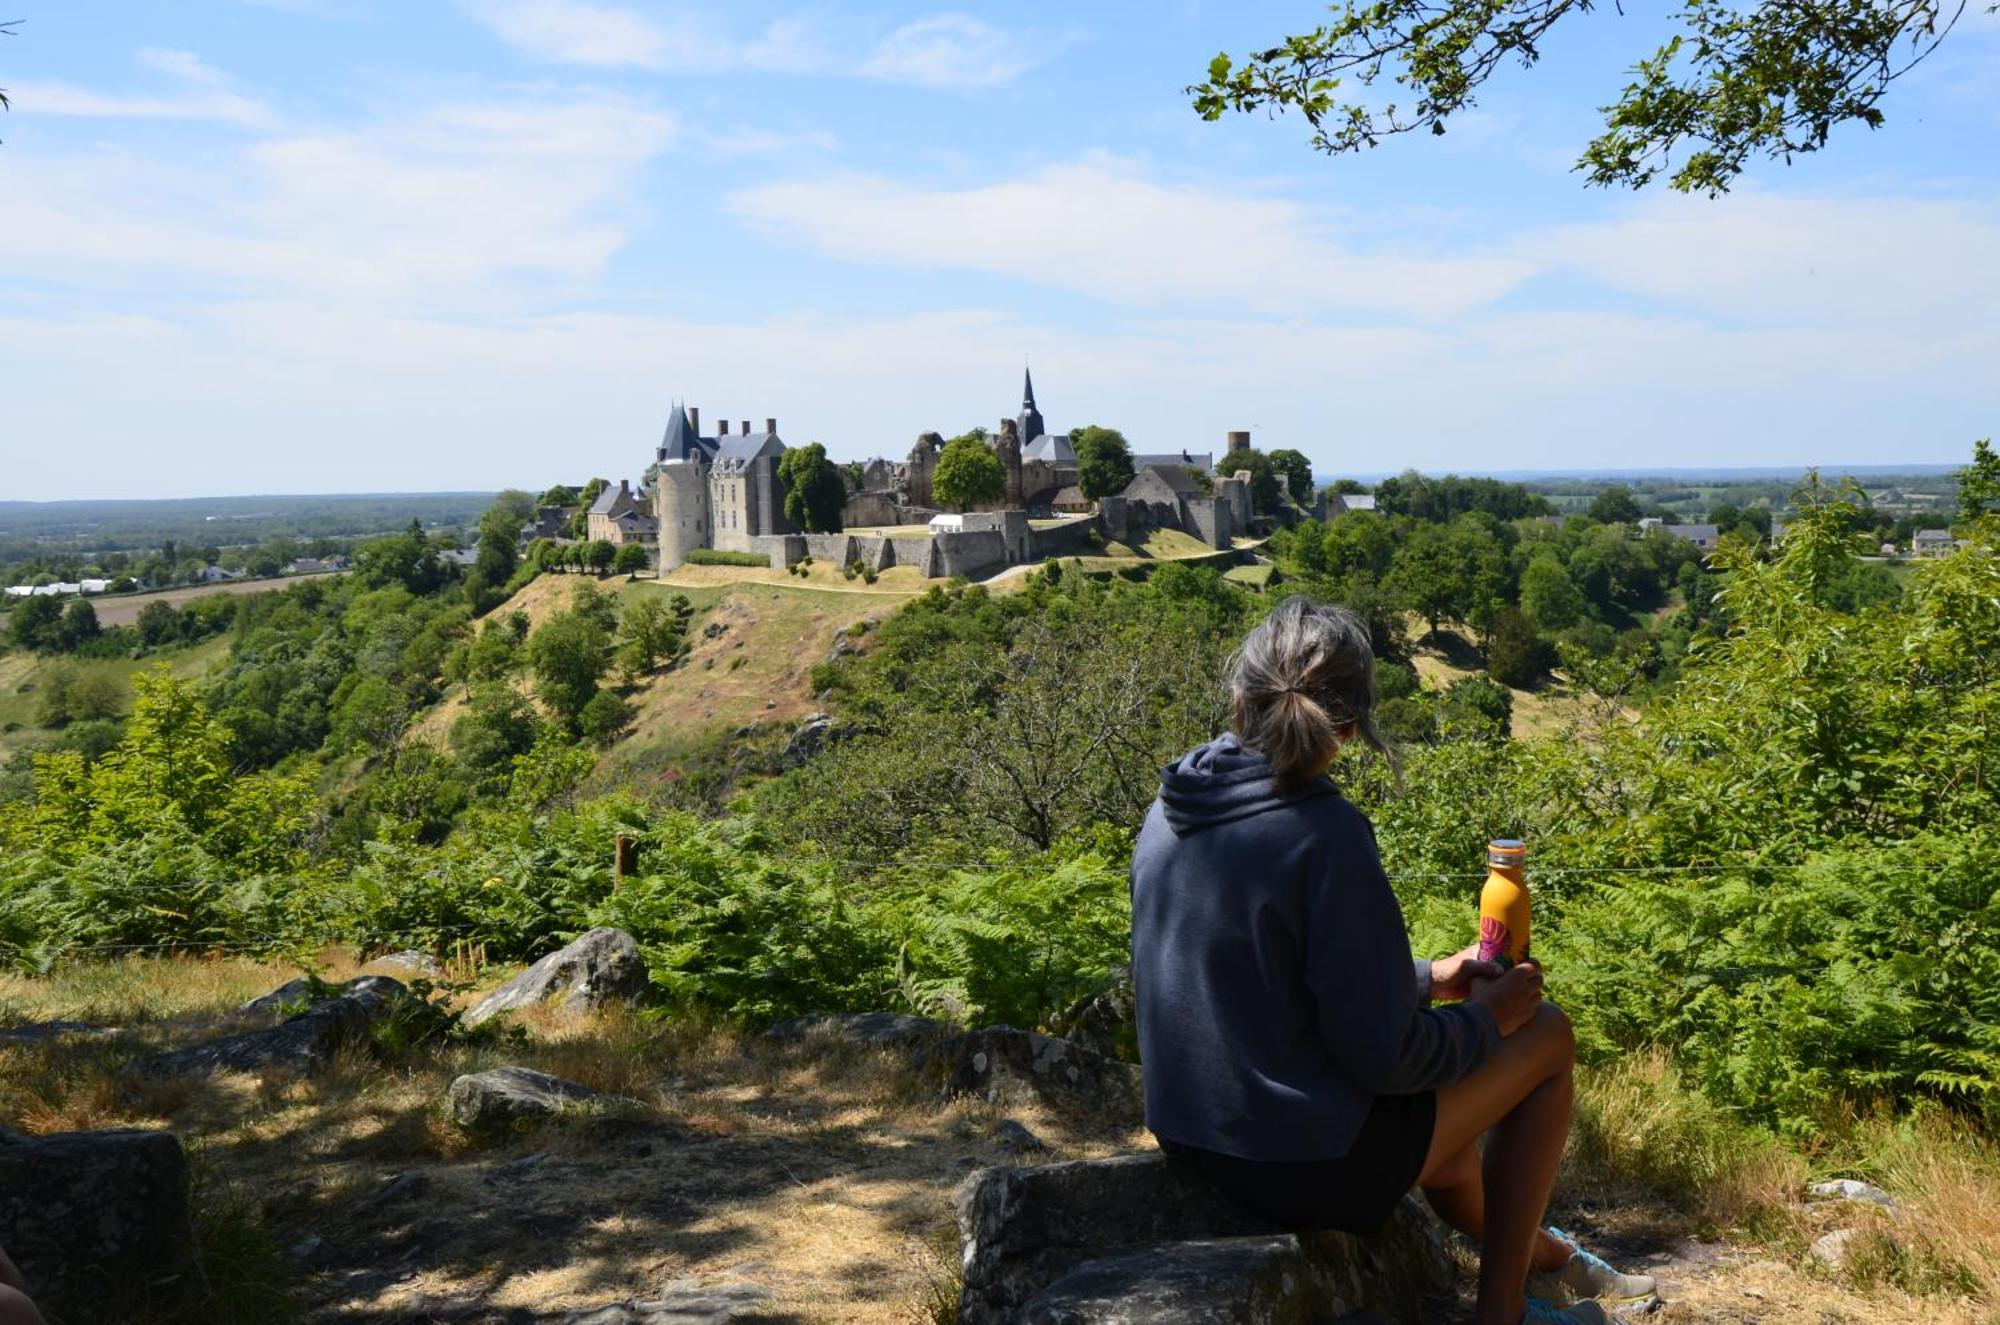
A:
627, 863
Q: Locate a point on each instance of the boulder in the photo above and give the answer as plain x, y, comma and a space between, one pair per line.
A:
291, 994
807, 738
304, 1042
599, 968
1011, 1067
875, 1030
1848, 1189
97, 1221
505, 1096
685, 1302
1106, 1022
1833, 1249
416, 963
1027, 1232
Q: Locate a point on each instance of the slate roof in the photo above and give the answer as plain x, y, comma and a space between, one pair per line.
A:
1932, 536
1694, 533
680, 441
739, 449
1176, 477
1203, 460
1069, 496
1052, 447
607, 502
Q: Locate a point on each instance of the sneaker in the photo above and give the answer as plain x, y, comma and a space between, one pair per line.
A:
1548, 1313
1588, 1275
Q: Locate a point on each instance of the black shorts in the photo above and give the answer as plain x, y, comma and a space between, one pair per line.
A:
1355, 1193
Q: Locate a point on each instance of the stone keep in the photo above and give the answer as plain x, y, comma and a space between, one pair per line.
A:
680, 503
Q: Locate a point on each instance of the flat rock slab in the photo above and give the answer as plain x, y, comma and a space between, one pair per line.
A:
1005, 1066
507, 1096
305, 1042
598, 969
417, 963
43, 1032
1022, 1230
689, 1304
97, 1221
876, 1030
1238, 1281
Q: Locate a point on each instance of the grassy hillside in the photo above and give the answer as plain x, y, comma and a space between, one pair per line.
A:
24, 678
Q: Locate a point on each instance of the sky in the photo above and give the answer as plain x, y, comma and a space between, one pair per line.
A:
406, 245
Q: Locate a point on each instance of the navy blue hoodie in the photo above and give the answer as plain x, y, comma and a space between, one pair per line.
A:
1276, 992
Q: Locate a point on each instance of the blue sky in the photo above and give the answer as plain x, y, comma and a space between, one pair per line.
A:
344, 245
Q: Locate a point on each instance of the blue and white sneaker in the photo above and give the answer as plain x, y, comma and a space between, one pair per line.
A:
1589, 1275
1548, 1313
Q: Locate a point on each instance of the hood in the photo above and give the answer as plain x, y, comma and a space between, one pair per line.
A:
1220, 782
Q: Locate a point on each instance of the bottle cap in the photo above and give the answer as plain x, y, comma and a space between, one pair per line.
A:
1506, 851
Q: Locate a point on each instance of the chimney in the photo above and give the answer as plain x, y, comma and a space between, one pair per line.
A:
722, 427
746, 427
770, 427
1239, 441
694, 421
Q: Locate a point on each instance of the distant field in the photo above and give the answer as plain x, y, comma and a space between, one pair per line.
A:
22, 676
124, 609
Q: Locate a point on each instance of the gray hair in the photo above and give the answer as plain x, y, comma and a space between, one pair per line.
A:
1304, 676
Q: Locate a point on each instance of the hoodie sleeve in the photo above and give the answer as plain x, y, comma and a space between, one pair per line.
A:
1358, 966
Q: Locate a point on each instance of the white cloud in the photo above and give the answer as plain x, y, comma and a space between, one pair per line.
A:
941, 51
206, 94
949, 51
1104, 227
434, 201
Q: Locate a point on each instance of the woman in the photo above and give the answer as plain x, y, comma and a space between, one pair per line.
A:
1289, 1049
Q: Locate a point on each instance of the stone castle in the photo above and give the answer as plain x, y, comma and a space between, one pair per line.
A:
723, 492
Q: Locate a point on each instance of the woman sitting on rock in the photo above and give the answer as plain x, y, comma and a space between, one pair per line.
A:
1289, 1047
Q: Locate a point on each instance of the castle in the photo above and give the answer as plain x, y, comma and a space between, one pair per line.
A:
720, 492
724, 493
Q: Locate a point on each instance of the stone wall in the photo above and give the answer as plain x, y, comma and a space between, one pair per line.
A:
836, 548
784, 550
972, 553
871, 509
1209, 521
1073, 539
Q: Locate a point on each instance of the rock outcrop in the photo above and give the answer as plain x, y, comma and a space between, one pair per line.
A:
97, 1221
598, 969
1140, 1239
508, 1096
1107, 1021
1012, 1067
304, 1042
898, 1031
685, 1303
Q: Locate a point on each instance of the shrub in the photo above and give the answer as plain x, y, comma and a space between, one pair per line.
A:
708, 556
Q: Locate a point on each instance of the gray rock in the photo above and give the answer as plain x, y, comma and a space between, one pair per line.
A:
685, 1302
807, 738
98, 1221
41, 1032
598, 969
1848, 1189
876, 1030
506, 1096
1833, 1249
1017, 1138
304, 1042
1241, 1281
418, 963
1011, 1067
294, 994
1022, 1230
1107, 1021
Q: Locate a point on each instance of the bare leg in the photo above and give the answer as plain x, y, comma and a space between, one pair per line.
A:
1457, 1191
1522, 1096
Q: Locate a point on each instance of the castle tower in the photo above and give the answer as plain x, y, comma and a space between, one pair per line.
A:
1030, 421
923, 462
680, 504
1008, 447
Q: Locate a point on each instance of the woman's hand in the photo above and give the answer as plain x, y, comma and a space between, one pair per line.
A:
1512, 998
1452, 977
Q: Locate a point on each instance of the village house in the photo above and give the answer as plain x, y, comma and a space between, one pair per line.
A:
619, 516
1933, 543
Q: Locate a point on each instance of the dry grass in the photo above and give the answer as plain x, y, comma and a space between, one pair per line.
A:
822, 1172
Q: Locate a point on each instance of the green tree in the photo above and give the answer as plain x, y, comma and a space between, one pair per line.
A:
604, 717
652, 634
499, 542
1615, 505
1979, 483
35, 625
1766, 78
815, 493
1297, 472
968, 474
1103, 461
1549, 596
1448, 572
599, 553
579, 521
568, 655
631, 559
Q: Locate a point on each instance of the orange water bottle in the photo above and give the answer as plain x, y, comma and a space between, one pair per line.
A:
1503, 904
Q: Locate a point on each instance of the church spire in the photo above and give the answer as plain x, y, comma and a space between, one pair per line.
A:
1030, 421
1027, 390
